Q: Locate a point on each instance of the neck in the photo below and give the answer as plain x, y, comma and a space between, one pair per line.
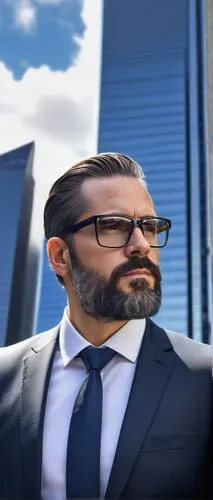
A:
94, 330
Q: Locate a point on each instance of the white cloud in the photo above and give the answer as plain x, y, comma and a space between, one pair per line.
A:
25, 15
57, 109
47, 106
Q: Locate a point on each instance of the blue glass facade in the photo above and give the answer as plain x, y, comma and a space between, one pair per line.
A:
151, 107
149, 110
52, 297
16, 255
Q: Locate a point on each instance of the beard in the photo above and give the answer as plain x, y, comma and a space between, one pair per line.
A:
102, 298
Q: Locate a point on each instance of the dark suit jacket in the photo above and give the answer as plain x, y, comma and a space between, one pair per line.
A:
164, 444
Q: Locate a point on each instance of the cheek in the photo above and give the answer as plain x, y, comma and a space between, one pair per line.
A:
98, 258
86, 248
154, 255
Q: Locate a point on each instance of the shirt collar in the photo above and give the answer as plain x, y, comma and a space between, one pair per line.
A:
126, 341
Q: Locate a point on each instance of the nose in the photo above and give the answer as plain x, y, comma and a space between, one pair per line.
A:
137, 245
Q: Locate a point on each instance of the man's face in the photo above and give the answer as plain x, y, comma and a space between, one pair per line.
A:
99, 274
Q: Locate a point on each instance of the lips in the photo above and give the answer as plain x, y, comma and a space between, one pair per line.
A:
142, 272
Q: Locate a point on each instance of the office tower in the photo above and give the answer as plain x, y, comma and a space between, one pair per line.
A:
52, 297
208, 19
152, 107
18, 257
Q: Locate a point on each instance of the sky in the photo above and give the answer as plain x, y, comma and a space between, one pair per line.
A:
50, 52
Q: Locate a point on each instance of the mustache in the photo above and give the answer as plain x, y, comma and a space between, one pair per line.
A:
136, 263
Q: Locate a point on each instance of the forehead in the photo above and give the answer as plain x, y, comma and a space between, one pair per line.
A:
117, 194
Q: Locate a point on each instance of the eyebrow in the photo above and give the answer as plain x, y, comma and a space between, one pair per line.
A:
121, 214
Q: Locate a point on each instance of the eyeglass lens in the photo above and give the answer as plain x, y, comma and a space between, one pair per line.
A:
114, 231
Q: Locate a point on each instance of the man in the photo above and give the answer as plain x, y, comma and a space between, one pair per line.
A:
106, 403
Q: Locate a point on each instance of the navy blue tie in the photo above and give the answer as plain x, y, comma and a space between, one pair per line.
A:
84, 441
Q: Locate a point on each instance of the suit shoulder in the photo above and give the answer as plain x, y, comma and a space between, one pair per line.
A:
191, 351
20, 349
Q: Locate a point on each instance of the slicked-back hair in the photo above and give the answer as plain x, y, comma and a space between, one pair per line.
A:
66, 202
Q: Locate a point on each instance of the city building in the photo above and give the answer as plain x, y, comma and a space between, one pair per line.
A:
52, 297
209, 116
152, 107
18, 257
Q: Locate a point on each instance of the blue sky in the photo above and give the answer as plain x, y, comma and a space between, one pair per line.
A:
50, 54
49, 87
37, 32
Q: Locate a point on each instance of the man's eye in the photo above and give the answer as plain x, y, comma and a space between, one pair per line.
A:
150, 228
110, 226
114, 226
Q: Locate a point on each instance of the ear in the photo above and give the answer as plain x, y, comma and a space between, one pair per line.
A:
58, 255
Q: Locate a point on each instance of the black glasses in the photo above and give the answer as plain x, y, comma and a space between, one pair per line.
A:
114, 231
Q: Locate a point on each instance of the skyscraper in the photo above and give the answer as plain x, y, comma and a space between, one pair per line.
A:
17, 256
152, 107
52, 297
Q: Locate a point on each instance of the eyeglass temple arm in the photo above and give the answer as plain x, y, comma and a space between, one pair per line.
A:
72, 228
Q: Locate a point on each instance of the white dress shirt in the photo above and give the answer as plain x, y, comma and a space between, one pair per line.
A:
67, 375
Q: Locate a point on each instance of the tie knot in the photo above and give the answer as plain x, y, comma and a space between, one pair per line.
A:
96, 358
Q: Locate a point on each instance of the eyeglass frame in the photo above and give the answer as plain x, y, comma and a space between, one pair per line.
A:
73, 228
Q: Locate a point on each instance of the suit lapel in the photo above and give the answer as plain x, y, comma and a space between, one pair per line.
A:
37, 367
154, 366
